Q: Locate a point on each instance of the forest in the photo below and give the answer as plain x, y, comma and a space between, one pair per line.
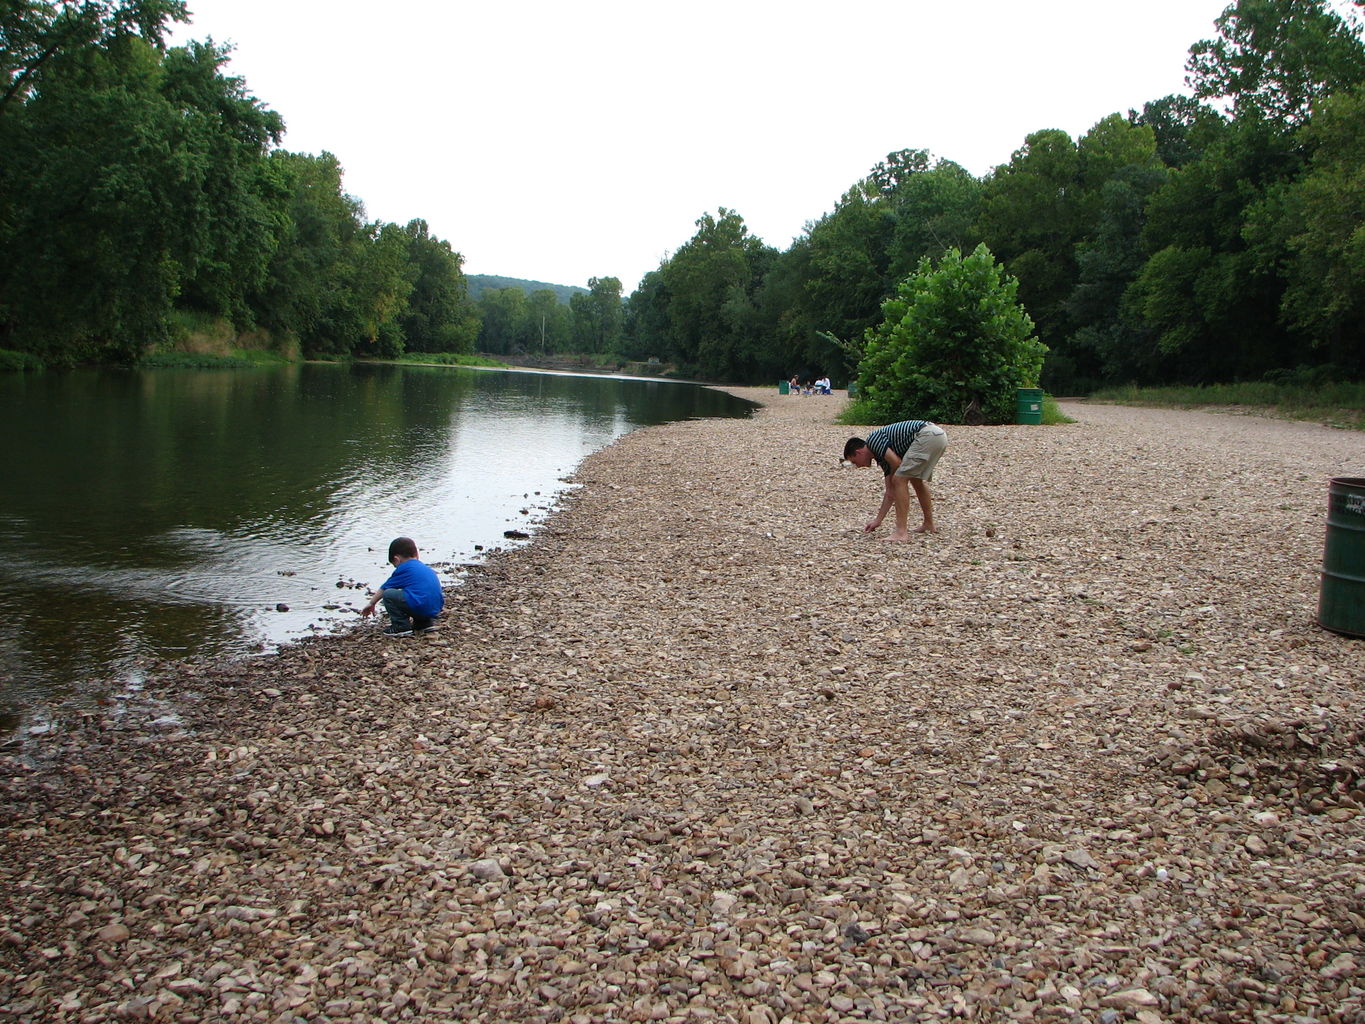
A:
146, 200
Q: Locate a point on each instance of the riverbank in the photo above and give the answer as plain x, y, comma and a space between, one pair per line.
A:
705, 751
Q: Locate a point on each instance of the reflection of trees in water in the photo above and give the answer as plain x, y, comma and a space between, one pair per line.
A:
165, 512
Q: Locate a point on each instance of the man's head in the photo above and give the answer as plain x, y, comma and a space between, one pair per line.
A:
402, 548
857, 452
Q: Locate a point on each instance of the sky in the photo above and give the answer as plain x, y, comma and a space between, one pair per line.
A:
562, 141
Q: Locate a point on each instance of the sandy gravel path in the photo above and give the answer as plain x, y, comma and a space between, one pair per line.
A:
704, 751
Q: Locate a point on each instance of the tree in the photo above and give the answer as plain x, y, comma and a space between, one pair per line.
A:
1111, 342
954, 346
847, 262
1182, 127
130, 180
226, 217
550, 321
711, 283
502, 321
1211, 299
1032, 218
34, 34
440, 316
934, 210
1274, 58
1314, 227
598, 316
320, 230
647, 327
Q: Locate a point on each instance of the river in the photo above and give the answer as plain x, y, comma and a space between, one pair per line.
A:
161, 514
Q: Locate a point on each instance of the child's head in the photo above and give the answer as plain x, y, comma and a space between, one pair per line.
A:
402, 548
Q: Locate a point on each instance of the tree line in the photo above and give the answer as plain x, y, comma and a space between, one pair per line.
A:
142, 190
1213, 237
1218, 237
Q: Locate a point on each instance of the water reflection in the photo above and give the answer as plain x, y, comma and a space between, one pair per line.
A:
169, 513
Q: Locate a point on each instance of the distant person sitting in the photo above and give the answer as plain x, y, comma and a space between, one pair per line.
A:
823, 386
412, 595
794, 385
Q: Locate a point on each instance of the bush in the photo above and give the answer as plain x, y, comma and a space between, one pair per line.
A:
954, 345
13, 362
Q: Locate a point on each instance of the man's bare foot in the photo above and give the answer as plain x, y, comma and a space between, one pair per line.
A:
925, 529
897, 537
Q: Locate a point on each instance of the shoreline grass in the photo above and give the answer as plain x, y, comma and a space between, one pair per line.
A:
1332, 404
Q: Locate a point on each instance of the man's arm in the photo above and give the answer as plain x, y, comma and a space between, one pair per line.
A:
888, 490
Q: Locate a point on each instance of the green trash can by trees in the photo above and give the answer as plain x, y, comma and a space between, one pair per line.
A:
783, 387
1341, 602
1030, 409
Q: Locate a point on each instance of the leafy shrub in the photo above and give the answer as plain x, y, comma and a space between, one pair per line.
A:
12, 362
953, 346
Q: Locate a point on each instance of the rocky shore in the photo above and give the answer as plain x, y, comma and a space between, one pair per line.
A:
704, 751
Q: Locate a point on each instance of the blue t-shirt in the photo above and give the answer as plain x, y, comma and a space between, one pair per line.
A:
420, 585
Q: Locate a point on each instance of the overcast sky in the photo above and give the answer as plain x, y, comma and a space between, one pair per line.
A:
561, 141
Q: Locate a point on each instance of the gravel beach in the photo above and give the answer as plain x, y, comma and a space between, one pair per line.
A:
704, 751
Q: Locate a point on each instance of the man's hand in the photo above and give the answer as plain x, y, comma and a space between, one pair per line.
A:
872, 526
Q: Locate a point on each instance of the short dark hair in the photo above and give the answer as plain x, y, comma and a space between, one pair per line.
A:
404, 546
854, 443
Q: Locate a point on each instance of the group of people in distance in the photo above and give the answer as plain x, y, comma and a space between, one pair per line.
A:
906, 452
819, 387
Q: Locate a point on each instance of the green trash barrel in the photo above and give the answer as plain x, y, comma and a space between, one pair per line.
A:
1030, 405
783, 388
1341, 602
853, 389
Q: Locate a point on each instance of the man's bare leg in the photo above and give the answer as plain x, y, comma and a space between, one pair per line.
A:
901, 492
926, 504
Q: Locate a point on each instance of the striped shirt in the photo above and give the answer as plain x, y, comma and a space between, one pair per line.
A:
896, 436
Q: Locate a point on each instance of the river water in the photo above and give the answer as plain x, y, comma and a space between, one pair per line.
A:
182, 513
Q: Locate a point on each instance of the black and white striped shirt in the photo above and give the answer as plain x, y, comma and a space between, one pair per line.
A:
896, 436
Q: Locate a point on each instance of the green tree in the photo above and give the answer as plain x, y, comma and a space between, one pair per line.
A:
598, 316
377, 291
647, 333
1274, 58
1211, 299
35, 34
440, 316
1032, 217
130, 181
954, 346
1182, 127
1314, 226
320, 229
1119, 170
502, 321
1111, 341
711, 285
226, 213
934, 210
550, 322
847, 264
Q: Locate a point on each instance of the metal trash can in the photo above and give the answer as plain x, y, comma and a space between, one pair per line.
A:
783, 388
1030, 407
1341, 601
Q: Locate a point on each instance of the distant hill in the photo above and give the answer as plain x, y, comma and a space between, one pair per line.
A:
480, 283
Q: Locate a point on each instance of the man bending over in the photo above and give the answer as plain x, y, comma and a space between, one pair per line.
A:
907, 453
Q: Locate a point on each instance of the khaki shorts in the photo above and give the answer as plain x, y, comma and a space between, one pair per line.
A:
922, 455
